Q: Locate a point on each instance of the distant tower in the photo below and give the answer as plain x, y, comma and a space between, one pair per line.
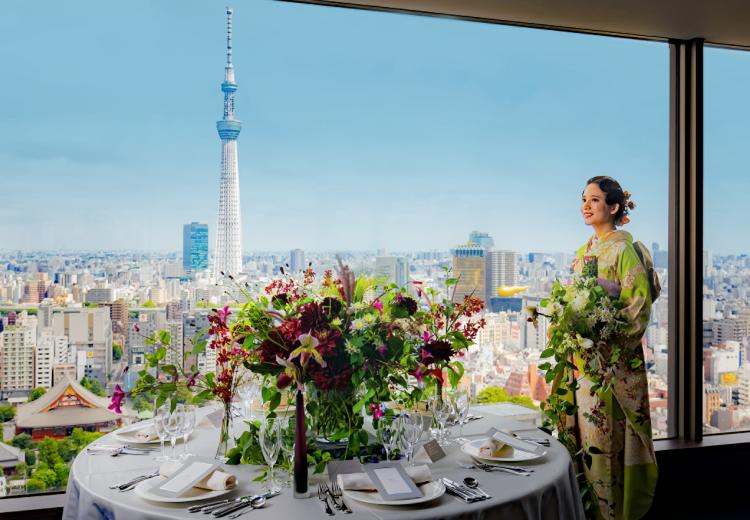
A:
229, 227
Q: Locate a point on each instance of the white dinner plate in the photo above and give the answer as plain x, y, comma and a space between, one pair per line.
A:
507, 454
143, 490
430, 491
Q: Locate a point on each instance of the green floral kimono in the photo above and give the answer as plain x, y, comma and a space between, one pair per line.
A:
619, 423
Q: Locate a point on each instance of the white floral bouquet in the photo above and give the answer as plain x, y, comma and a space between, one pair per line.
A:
585, 326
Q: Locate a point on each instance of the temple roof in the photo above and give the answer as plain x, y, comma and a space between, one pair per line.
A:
10, 456
67, 403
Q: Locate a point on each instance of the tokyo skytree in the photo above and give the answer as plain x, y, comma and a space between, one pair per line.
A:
229, 226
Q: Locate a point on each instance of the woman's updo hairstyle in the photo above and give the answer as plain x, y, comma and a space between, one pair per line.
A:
613, 194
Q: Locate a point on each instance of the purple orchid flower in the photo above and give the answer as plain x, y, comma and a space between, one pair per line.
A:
117, 397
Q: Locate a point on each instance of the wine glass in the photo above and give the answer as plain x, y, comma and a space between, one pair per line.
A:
441, 410
388, 435
249, 392
160, 415
269, 437
287, 447
173, 426
411, 433
461, 404
188, 425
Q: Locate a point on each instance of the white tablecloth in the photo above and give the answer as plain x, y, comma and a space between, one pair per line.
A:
551, 493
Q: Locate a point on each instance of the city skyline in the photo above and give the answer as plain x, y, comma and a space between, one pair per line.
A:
386, 139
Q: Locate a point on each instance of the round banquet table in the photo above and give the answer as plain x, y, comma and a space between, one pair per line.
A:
550, 493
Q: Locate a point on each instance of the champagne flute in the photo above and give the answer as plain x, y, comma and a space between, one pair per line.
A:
388, 435
270, 441
287, 447
441, 410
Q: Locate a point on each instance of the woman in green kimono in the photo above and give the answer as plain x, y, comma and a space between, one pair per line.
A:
617, 423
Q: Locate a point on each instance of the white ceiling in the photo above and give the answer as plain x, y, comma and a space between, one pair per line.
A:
720, 22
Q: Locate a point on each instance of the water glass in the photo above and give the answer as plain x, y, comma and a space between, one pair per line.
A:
441, 410
269, 437
411, 433
287, 447
188, 425
173, 426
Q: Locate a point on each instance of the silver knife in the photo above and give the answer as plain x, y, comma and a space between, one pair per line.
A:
243, 503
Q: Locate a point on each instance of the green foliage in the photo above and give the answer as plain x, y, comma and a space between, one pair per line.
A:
62, 471
7, 412
22, 468
22, 441
49, 452
493, 394
93, 386
46, 475
30, 457
36, 393
67, 449
149, 304
34, 485
116, 352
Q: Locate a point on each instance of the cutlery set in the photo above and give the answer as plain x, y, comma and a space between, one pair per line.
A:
465, 492
233, 507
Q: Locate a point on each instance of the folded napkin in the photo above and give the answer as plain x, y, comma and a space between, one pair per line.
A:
362, 482
212, 419
491, 448
146, 434
215, 481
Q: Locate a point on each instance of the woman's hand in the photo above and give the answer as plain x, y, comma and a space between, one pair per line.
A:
613, 289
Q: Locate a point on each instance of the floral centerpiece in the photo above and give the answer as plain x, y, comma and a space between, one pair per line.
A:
352, 346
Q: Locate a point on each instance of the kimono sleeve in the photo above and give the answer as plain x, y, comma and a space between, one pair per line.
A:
636, 293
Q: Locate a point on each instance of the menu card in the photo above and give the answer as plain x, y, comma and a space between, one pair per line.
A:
185, 478
518, 444
392, 481
429, 452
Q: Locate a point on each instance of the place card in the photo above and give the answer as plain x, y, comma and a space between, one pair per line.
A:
429, 452
185, 478
392, 481
342, 467
515, 443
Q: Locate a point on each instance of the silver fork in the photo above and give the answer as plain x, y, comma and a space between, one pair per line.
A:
337, 493
133, 481
323, 497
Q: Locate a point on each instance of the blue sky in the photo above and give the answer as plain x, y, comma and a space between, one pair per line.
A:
361, 130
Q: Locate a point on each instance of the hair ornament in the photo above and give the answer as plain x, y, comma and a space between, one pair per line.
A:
628, 207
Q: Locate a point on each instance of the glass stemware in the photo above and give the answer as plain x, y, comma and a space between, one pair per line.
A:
188, 425
411, 433
461, 404
173, 426
287, 447
389, 435
269, 437
160, 415
441, 410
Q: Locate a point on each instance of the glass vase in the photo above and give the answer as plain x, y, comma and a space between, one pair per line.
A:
226, 438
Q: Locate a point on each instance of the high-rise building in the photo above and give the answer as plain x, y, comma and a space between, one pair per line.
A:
44, 357
394, 268
501, 271
481, 239
296, 261
228, 252
469, 266
17, 344
176, 347
194, 247
89, 331
100, 295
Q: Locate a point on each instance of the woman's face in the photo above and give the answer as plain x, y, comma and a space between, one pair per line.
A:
594, 208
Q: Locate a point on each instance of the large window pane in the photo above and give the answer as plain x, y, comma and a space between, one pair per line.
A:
404, 144
726, 264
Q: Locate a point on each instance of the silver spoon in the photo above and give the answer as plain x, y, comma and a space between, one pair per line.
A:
473, 484
255, 503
